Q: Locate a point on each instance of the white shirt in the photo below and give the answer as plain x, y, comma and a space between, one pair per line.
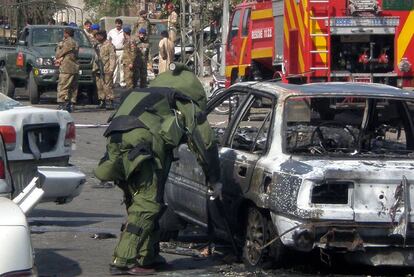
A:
117, 38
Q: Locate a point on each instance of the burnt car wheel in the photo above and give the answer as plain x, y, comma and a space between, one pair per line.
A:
259, 231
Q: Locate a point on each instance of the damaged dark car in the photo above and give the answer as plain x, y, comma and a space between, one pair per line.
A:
324, 166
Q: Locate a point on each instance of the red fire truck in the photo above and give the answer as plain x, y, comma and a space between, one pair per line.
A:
322, 40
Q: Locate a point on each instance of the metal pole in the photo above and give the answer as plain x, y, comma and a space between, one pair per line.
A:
224, 33
201, 42
183, 29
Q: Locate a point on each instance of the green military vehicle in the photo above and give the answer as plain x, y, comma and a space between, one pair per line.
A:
29, 63
28, 45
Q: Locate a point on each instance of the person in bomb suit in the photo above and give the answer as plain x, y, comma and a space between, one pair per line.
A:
142, 134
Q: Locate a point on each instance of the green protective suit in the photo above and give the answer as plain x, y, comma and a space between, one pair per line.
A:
148, 125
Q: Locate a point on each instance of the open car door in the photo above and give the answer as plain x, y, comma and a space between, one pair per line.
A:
186, 191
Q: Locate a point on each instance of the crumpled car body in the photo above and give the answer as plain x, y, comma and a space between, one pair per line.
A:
331, 164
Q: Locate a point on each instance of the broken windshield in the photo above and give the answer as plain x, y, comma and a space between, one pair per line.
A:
349, 126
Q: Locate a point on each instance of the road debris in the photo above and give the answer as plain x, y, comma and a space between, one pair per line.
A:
103, 236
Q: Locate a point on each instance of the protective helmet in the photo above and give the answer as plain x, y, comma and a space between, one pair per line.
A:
95, 27
181, 78
126, 29
142, 31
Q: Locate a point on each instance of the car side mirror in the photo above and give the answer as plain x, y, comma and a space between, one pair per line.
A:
22, 43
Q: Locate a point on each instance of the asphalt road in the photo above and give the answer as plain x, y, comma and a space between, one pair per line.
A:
63, 235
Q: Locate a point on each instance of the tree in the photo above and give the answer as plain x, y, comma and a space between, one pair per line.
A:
109, 7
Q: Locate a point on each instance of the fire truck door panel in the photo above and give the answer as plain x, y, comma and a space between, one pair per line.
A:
293, 52
234, 40
278, 11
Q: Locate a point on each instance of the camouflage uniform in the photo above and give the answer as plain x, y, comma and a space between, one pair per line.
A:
143, 54
68, 70
146, 128
129, 58
172, 26
104, 80
92, 39
142, 23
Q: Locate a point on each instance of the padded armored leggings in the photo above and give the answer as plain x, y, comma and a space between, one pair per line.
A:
139, 239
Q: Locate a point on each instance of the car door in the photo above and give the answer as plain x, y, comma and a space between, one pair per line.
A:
247, 141
186, 188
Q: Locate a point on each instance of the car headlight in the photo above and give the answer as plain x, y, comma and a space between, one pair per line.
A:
44, 61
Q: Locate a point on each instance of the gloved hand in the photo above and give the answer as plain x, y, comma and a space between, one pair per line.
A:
215, 190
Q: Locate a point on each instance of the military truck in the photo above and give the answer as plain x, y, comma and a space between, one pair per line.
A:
30, 62
28, 46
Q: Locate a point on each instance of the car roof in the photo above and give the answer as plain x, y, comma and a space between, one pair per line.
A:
329, 89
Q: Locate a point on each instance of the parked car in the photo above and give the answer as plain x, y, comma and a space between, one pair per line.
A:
324, 166
16, 252
40, 138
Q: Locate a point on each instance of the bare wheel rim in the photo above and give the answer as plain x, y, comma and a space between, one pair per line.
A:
255, 237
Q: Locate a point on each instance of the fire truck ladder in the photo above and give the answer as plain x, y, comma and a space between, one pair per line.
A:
322, 6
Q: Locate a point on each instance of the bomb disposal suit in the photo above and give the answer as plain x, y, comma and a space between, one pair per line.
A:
148, 125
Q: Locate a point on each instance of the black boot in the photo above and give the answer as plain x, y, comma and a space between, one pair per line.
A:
70, 107
101, 104
62, 106
110, 105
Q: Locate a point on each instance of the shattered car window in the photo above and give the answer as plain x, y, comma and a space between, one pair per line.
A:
223, 111
349, 126
252, 131
7, 103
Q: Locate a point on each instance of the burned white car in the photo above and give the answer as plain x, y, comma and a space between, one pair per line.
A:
326, 166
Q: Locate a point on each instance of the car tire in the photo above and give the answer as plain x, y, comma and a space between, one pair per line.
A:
170, 224
259, 231
7, 84
33, 89
93, 95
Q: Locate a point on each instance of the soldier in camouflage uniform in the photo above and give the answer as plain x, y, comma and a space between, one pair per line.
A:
148, 125
143, 54
104, 70
129, 58
67, 60
143, 22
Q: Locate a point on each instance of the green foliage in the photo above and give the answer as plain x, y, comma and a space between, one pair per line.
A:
108, 7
